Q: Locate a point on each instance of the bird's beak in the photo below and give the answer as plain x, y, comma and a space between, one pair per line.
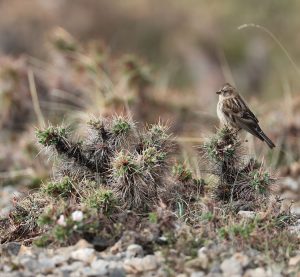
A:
218, 92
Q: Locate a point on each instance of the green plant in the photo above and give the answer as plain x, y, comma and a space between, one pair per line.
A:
120, 126
182, 173
42, 241
260, 181
64, 188
103, 200
51, 135
207, 216
153, 218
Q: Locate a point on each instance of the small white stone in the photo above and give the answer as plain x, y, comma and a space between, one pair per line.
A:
85, 254
257, 272
134, 250
100, 267
247, 214
77, 216
72, 267
149, 263
61, 221
46, 265
234, 265
290, 183
198, 274
59, 259
242, 259
133, 266
294, 261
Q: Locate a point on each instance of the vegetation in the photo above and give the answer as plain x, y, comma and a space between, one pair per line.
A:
113, 172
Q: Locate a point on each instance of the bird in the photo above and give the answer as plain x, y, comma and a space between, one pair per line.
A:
233, 112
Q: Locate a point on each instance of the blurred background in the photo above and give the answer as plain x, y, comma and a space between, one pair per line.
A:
64, 60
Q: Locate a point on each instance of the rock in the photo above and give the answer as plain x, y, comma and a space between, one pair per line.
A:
86, 255
137, 265
294, 261
72, 267
149, 263
88, 271
134, 250
234, 265
295, 230
10, 248
117, 272
243, 259
59, 259
198, 263
203, 257
100, 267
257, 272
46, 265
82, 244
198, 274
29, 263
290, 183
295, 210
247, 214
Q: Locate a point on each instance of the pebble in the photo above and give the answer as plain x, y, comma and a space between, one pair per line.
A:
72, 267
233, 267
247, 214
198, 274
198, 263
100, 267
257, 272
138, 265
46, 265
85, 254
11, 248
149, 262
134, 250
294, 261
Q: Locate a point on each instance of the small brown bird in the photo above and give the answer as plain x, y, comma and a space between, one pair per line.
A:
234, 112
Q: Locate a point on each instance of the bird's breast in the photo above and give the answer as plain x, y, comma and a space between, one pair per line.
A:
220, 113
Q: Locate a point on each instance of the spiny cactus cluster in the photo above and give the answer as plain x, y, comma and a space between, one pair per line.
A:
239, 178
113, 154
118, 174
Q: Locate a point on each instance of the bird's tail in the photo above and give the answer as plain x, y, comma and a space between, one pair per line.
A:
267, 140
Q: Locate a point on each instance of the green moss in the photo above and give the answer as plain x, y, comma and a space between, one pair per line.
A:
61, 233
124, 165
152, 156
243, 230
103, 200
44, 219
182, 173
207, 216
153, 218
42, 241
51, 135
120, 126
260, 181
63, 188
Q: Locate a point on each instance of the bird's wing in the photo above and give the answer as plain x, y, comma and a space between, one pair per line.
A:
246, 108
241, 115
237, 108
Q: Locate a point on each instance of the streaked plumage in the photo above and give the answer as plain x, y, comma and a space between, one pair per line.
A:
234, 112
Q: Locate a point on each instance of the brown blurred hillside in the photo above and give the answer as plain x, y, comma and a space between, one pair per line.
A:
191, 43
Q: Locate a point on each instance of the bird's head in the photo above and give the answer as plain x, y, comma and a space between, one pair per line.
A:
227, 90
